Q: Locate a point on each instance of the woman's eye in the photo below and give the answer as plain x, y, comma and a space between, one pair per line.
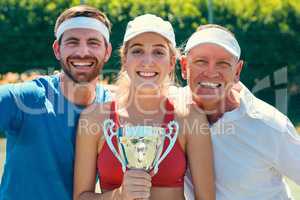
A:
136, 51
159, 52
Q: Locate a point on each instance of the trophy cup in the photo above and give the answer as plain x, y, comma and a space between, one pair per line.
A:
140, 147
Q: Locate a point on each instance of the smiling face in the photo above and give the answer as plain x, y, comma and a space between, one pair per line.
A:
148, 61
211, 71
82, 54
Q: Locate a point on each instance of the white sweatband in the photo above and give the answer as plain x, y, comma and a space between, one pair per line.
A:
214, 36
83, 22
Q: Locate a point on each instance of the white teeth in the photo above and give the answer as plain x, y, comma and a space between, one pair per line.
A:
147, 74
209, 84
82, 64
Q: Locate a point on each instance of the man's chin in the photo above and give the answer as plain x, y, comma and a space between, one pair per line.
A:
85, 80
82, 79
206, 99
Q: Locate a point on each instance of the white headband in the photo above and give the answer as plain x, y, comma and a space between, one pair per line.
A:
215, 36
83, 22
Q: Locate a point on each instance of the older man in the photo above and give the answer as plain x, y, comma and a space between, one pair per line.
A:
39, 117
255, 145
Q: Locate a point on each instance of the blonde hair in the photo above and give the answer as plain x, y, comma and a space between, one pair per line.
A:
123, 83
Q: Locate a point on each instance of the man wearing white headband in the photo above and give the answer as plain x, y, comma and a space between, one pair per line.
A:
40, 117
255, 145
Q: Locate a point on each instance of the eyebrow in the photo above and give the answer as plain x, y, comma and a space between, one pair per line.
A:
77, 39
71, 38
155, 45
160, 45
135, 44
199, 59
94, 39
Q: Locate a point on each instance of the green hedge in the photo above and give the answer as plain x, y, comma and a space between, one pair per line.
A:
268, 31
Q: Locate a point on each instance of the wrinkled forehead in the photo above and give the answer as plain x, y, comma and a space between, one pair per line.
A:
210, 50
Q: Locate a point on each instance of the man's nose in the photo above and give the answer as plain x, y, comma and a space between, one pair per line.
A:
211, 71
83, 50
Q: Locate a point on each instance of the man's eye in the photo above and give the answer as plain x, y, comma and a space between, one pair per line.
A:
223, 65
200, 62
72, 43
95, 44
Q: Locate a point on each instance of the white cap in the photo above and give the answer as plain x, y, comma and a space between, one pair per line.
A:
150, 23
215, 36
83, 22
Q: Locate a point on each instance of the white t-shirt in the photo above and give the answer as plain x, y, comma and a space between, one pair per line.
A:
254, 147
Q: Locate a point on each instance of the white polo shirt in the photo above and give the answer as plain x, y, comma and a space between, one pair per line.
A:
254, 147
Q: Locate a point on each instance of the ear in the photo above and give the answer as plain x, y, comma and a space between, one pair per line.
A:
56, 50
108, 52
172, 63
183, 64
239, 67
123, 62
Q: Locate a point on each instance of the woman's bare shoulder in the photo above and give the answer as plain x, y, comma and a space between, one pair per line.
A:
92, 118
96, 111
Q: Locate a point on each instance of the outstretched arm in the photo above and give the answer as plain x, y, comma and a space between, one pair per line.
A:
200, 155
10, 115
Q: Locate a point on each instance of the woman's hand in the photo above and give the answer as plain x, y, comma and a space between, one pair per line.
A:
136, 185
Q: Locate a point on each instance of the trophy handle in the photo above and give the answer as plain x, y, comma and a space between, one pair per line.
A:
171, 126
109, 124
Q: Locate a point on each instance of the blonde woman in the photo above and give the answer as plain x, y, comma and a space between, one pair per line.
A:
148, 59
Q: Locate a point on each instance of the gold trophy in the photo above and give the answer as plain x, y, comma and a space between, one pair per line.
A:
140, 147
